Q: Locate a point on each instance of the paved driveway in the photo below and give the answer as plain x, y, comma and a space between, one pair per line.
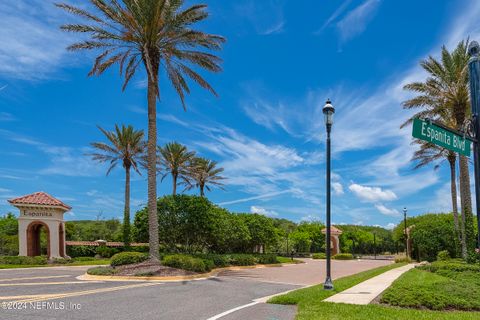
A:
56, 293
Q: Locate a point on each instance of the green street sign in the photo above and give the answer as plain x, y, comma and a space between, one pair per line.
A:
430, 132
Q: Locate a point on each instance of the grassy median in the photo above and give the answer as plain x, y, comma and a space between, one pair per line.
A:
311, 307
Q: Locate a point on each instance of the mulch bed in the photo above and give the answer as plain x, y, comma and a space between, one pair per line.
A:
150, 268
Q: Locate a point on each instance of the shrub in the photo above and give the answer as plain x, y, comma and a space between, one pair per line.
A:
188, 263
84, 259
242, 260
106, 252
343, 256
443, 255
123, 258
402, 258
61, 261
101, 271
451, 265
320, 255
21, 260
473, 257
219, 260
81, 251
267, 258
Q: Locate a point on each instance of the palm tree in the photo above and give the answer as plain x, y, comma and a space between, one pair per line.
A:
175, 159
429, 153
444, 95
205, 173
160, 36
126, 146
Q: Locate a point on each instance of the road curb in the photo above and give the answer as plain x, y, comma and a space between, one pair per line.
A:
201, 276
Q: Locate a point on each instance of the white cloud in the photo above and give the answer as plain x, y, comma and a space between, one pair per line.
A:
372, 194
266, 16
337, 188
356, 21
334, 15
259, 197
33, 46
263, 211
390, 226
387, 211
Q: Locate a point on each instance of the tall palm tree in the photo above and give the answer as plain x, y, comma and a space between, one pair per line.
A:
205, 173
126, 146
429, 153
445, 96
175, 159
160, 36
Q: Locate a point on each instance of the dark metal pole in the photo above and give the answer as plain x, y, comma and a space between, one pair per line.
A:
328, 285
474, 72
405, 230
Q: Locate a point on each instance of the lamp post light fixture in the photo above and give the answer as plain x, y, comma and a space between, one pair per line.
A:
328, 111
405, 230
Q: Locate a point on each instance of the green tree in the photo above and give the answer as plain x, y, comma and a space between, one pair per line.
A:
261, 229
160, 36
126, 146
444, 96
176, 160
8, 235
314, 231
205, 173
301, 240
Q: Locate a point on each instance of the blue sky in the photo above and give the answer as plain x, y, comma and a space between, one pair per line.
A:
283, 59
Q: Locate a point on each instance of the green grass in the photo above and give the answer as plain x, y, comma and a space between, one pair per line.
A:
288, 260
311, 307
440, 290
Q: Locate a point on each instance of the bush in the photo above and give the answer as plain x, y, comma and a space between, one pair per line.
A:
267, 258
402, 258
101, 271
61, 261
451, 265
320, 255
81, 251
123, 258
473, 257
188, 263
443, 255
21, 260
84, 259
242, 260
219, 260
343, 256
106, 252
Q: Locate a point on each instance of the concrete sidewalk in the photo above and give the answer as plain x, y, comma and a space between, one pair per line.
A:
367, 291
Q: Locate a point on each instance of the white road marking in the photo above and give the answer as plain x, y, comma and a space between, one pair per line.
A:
45, 283
33, 278
223, 314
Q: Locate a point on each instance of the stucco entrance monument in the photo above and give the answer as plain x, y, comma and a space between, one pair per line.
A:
41, 210
334, 240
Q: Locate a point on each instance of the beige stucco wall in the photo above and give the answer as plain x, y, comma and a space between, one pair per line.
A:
52, 217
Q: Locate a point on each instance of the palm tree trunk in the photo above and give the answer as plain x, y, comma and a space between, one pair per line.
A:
466, 201
174, 181
126, 212
152, 169
202, 192
453, 187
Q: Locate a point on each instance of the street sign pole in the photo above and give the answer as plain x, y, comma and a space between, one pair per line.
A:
474, 72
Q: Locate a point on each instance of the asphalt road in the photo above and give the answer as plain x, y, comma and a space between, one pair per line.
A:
56, 293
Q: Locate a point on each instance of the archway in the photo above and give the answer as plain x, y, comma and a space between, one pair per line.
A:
34, 247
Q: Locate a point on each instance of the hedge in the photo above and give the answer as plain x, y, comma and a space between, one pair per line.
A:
21, 260
123, 258
101, 271
320, 255
188, 263
343, 256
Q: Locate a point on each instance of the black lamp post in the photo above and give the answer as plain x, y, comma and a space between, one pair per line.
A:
405, 230
328, 112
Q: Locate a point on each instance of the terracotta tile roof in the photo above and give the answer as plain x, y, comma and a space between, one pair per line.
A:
39, 198
333, 230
